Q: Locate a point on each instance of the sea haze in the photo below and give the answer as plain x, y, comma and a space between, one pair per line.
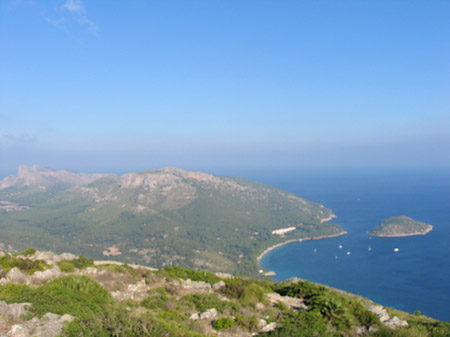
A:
417, 277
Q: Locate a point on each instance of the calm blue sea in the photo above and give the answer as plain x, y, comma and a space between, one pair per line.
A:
417, 277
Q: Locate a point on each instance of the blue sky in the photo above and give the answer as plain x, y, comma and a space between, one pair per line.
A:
128, 85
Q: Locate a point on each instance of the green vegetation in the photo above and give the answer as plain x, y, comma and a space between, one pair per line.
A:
185, 219
193, 275
203, 302
168, 305
224, 323
79, 263
400, 226
9, 262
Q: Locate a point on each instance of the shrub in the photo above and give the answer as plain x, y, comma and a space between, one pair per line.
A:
223, 323
28, 252
301, 324
7, 263
203, 302
82, 262
194, 275
66, 266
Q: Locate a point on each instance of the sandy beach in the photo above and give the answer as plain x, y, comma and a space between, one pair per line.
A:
298, 240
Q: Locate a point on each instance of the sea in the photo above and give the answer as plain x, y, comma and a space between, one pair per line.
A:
407, 273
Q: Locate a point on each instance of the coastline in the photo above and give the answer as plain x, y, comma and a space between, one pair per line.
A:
269, 249
429, 229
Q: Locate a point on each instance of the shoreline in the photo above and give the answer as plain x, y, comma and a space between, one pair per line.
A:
269, 249
429, 229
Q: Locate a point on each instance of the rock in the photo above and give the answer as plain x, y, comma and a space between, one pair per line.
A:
90, 271
19, 330
138, 292
197, 285
259, 306
48, 257
262, 323
15, 275
14, 310
396, 322
384, 317
141, 286
47, 274
68, 256
50, 325
269, 327
219, 285
209, 314
224, 275
291, 302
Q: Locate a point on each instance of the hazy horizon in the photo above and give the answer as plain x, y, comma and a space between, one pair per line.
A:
222, 86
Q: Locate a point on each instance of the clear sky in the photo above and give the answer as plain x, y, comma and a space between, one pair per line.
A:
127, 85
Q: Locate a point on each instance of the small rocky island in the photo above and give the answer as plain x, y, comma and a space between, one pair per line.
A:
400, 226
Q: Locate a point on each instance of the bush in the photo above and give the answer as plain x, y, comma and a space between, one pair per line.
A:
7, 263
66, 266
82, 262
203, 302
194, 275
224, 323
301, 324
28, 252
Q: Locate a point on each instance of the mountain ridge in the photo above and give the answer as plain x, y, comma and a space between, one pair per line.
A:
157, 217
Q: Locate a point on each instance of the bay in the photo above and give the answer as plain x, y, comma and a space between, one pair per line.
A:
417, 277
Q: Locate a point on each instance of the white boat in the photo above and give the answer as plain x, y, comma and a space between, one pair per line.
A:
396, 250
370, 248
348, 253
340, 246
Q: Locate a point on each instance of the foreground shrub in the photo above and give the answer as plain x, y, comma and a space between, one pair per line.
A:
224, 323
9, 262
194, 275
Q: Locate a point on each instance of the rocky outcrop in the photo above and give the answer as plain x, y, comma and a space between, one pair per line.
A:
50, 325
137, 292
209, 314
290, 302
392, 322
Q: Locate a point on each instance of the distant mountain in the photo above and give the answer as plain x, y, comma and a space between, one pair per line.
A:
157, 217
43, 178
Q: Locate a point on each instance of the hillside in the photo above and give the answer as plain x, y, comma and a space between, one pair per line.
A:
400, 226
43, 294
156, 217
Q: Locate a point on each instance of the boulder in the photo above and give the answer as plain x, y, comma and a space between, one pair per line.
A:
48, 274
50, 325
291, 302
384, 317
219, 285
197, 285
209, 314
269, 327
15, 275
13, 310
68, 256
